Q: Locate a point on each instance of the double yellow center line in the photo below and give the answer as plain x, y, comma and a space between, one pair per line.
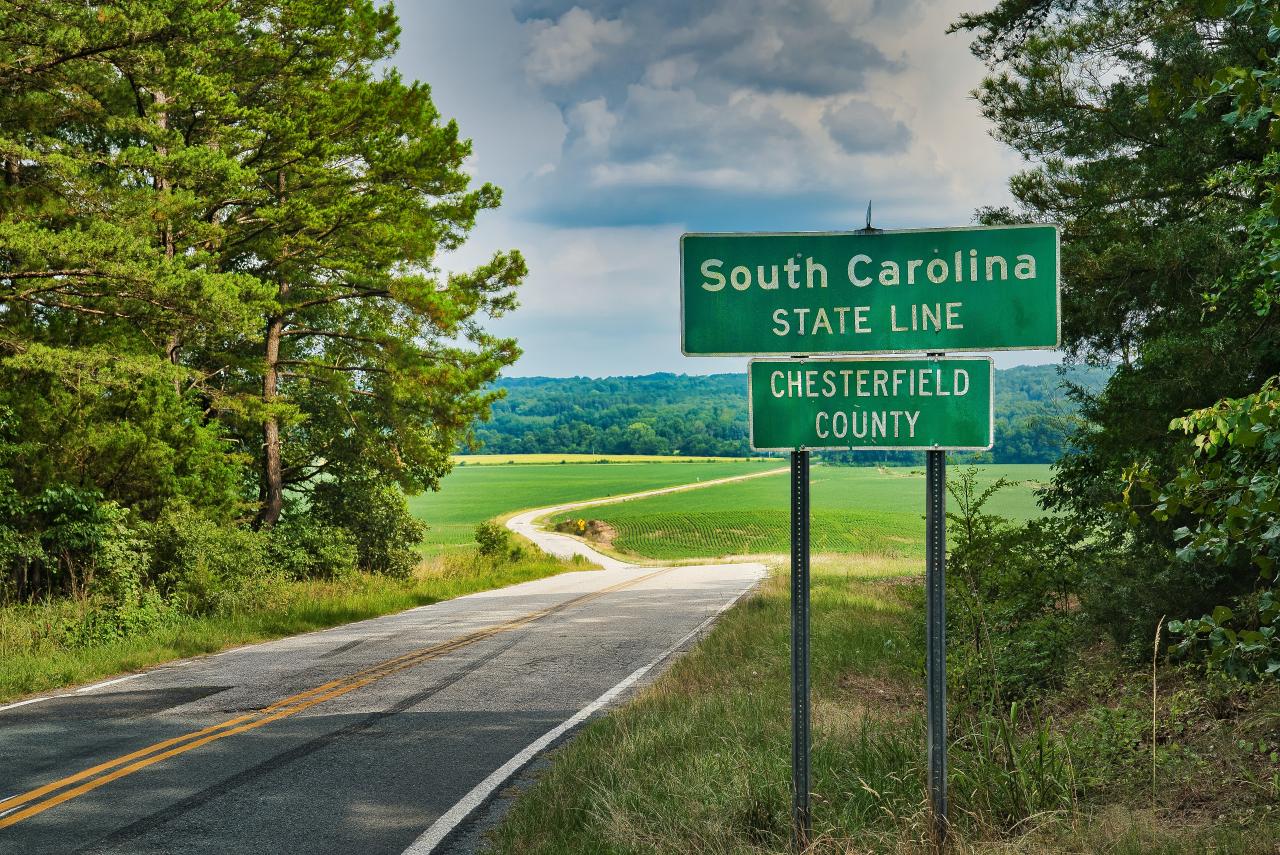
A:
64, 789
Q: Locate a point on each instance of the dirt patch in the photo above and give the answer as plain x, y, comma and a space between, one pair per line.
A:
599, 531
904, 581
880, 693
595, 531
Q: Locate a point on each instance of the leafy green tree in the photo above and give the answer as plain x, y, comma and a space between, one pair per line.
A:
1252, 95
113, 424
369, 360
1096, 97
707, 416
116, 140
1107, 103
220, 230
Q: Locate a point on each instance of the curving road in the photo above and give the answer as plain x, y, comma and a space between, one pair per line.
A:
525, 523
382, 736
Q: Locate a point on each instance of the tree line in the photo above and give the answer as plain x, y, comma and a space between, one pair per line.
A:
219, 301
1036, 409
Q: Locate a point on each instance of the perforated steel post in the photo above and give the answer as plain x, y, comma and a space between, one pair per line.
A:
803, 823
936, 636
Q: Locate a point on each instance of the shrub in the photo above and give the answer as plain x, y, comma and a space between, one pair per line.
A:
129, 605
207, 568
1010, 598
50, 542
493, 539
1245, 646
376, 517
1225, 503
302, 548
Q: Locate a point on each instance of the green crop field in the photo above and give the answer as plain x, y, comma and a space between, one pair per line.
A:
473, 493
512, 459
855, 510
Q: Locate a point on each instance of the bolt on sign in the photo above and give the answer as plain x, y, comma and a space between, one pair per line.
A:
860, 404
935, 290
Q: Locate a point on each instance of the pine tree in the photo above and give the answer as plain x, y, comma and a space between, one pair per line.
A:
370, 363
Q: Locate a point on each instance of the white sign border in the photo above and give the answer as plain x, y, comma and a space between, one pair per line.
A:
991, 402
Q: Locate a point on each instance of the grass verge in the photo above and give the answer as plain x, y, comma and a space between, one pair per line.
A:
36, 657
700, 760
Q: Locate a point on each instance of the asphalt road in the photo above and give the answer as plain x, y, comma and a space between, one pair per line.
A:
387, 735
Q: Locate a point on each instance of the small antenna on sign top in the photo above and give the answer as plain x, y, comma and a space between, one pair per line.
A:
870, 229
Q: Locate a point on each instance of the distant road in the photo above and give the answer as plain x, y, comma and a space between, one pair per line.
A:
565, 546
382, 736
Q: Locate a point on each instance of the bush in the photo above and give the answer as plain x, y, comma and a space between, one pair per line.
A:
206, 568
493, 539
302, 548
118, 602
50, 542
376, 517
1223, 505
1010, 598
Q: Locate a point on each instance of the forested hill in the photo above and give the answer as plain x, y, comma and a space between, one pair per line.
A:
707, 415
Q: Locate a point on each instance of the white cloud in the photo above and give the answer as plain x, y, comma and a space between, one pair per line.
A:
472, 55
563, 51
593, 123
803, 106
670, 72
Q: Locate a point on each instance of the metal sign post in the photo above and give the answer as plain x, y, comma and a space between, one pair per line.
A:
936, 636
801, 819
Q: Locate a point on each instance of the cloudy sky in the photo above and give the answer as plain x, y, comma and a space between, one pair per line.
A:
615, 125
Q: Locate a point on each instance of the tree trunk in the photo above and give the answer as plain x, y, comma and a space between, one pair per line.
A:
11, 171
164, 185
272, 469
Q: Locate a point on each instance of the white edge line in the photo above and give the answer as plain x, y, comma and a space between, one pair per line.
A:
16, 704
106, 683
24, 703
444, 826
78, 691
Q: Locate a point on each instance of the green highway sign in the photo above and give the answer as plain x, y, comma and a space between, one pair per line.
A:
935, 290
941, 404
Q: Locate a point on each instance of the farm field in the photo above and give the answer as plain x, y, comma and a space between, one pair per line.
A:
474, 493
855, 510
545, 459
